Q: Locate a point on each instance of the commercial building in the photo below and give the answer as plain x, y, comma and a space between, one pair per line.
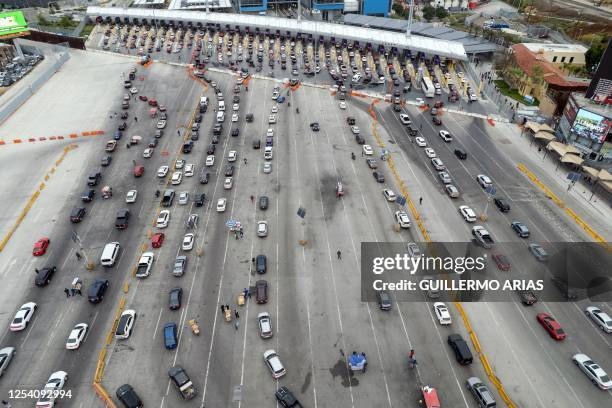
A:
559, 55
212, 5
378, 8
451, 4
155, 4
600, 90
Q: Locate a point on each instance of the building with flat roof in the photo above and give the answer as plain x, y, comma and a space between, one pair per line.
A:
559, 54
156, 4
213, 5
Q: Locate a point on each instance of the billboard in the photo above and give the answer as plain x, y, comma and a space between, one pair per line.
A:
591, 125
12, 23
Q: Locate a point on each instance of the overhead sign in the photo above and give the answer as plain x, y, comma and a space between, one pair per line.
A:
12, 23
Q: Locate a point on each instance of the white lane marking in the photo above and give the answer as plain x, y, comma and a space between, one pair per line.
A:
157, 324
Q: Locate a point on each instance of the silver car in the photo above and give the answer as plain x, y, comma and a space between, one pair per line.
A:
592, 370
6, 355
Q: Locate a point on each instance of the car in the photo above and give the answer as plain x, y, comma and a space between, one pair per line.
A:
268, 151
235, 132
139, 171
93, 178
444, 177
439, 165
367, 150
88, 195
23, 316
436, 121
263, 202
600, 318
592, 370
286, 398
175, 297
467, 213
76, 336
413, 250
232, 156
262, 229
177, 178
187, 147
463, 354
384, 300
189, 170
274, 364
405, 119
6, 356
210, 160
106, 160
236, 107
97, 290
170, 336
261, 264
265, 325
183, 198
147, 153
179, 164
315, 127
40, 246
110, 146
199, 199
221, 204
77, 214
157, 240
389, 195
125, 324
484, 181
401, 217
520, 228
261, 291
429, 152
539, 252
162, 171
188, 241
44, 275
461, 155
452, 191
502, 262
372, 163
161, 124
211, 149
484, 397
162, 219
133, 90
442, 313
180, 265
272, 119
355, 130
128, 396
549, 324
51, 391
420, 141
342, 105
502, 204
379, 177
566, 290
267, 167
235, 117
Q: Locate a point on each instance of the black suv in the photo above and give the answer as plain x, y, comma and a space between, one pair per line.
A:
461, 349
263, 202
256, 143
286, 398
128, 396
378, 177
106, 160
502, 204
261, 264
94, 178
123, 218
97, 290
44, 275
187, 147
167, 198
88, 195
199, 200
77, 214
249, 117
461, 155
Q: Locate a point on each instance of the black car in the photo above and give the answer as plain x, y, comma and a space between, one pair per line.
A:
88, 195
94, 178
198, 118
235, 132
261, 264
436, 121
263, 202
379, 177
44, 275
461, 155
175, 298
77, 214
211, 149
502, 204
123, 218
97, 290
195, 135
153, 142
215, 139
384, 300
187, 147
122, 126
106, 160
286, 398
217, 129
203, 108
249, 117
229, 171
117, 135
199, 200
314, 126
461, 349
128, 396
159, 133
359, 139
236, 99
256, 143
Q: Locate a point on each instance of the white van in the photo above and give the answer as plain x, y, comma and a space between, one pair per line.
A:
110, 254
203, 101
221, 105
220, 117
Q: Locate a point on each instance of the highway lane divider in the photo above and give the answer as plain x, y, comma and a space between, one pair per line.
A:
572, 214
50, 138
103, 395
34, 197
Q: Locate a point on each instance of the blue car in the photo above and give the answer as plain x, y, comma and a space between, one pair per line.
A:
170, 336
117, 135
280, 99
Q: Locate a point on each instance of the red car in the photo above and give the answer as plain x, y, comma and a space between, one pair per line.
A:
139, 171
143, 98
551, 326
152, 102
502, 262
157, 240
40, 247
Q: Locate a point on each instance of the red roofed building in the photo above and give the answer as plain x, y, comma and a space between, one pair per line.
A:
532, 75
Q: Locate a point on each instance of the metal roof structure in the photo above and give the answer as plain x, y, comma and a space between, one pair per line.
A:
471, 44
449, 49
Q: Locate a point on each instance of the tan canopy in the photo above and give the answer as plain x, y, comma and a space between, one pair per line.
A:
604, 175
557, 147
571, 149
606, 185
590, 171
571, 158
537, 127
544, 135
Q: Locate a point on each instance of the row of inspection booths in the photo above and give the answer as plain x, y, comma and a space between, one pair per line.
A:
570, 157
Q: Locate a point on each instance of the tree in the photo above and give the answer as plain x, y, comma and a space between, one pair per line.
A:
428, 12
593, 56
537, 74
441, 13
43, 21
65, 22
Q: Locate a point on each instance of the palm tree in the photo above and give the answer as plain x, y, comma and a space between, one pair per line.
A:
537, 74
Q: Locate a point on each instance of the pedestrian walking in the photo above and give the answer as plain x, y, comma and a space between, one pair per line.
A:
253, 261
222, 309
411, 355
236, 314
178, 132
420, 200
72, 291
67, 292
36, 269
339, 253
241, 233
78, 291
236, 324
78, 256
245, 161
227, 307
252, 199
135, 119
421, 126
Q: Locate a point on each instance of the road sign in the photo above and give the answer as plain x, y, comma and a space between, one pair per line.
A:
301, 212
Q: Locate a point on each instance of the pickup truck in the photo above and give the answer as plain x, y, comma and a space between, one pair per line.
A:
286, 398
144, 265
123, 219
482, 236
167, 198
180, 378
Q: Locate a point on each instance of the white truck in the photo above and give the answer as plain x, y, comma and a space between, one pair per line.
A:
144, 265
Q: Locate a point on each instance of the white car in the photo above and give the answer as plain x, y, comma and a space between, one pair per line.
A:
601, 318
131, 196
270, 132
272, 119
162, 219
148, 152
51, 390
6, 355
445, 177
355, 130
235, 117
402, 219
262, 228
429, 152
161, 124
367, 150
446, 136
420, 141
188, 241
274, 109
232, 156
221, 204
405, 119
274, 364
265, 325
179, 163
442, 313
389, 195
267, 167
162, 171
23, 316
126, 324
210, 160
183, 198
275, 95
76, 336
484, 181
592, 370
133, 90
228, 183
236, 107
438, 164
189, 170
177, 178
342, 105
467, 213
268, 153
420, 101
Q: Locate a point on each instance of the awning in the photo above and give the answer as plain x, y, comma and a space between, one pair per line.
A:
590, 171
572, 149
571, 158
558, 147
607, 185
604, 175
539, 127
544, 135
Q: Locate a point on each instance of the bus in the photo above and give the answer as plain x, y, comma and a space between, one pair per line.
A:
428, 88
